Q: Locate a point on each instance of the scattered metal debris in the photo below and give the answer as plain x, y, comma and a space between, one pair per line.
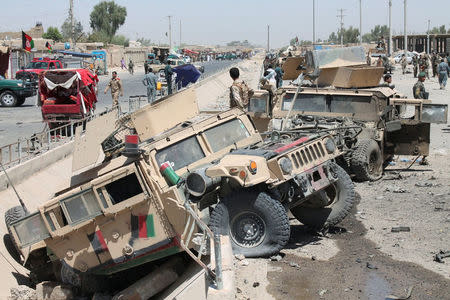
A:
439, 257
401, 229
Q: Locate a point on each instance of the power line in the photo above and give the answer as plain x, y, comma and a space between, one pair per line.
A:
341, 16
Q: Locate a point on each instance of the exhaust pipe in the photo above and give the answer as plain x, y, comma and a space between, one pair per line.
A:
198, 183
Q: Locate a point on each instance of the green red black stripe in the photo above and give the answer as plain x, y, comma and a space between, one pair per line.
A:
142, 226
98, 242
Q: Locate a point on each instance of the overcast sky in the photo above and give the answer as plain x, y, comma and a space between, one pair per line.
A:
218, 22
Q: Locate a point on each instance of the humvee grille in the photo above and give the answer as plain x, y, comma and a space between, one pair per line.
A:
308, 155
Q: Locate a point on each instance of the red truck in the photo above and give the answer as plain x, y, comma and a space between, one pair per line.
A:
36, 66
66, 95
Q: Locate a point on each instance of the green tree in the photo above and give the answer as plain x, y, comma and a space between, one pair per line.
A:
144, 42
66, 29
351, 35
53, 34
120, 40
333, 38
107, 17
437, 30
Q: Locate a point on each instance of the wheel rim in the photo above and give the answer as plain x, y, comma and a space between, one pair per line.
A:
8, 99
247, 229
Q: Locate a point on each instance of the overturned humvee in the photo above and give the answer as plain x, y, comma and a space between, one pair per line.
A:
145, 188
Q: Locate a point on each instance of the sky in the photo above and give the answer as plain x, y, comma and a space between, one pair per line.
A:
218, 22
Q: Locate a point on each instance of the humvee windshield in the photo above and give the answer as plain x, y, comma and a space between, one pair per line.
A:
181, 154
362, 107
188, 151
257, 105
31, 229
226, 134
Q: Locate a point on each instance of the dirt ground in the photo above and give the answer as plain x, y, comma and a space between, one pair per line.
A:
362, 258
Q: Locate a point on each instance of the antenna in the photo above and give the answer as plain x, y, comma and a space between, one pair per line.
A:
341, 16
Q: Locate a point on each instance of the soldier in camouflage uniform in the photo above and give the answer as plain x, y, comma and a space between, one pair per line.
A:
435, 59
419, 89
116, 87
415, 62
404, 63
424, 65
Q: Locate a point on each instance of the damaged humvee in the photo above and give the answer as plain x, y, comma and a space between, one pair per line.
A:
144, 187
370, 125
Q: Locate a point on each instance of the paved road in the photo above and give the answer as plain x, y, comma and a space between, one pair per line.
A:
21, 122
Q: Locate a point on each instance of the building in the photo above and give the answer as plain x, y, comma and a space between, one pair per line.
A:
418, 42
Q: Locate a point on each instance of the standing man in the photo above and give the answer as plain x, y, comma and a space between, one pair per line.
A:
443, 71
240, 93
434, 63
149, 81
424, 65
145, 67
404, 62
415, 62
122, 64
279, 76
168, 72
116, 87
131, 67
419, 89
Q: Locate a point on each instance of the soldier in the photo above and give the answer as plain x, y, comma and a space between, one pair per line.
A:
419, 89
424, 65
131, 67
434, 63
149, 81
404, 63
443, 70
168, 72
145, 67
116, 87
240, 93
415, 62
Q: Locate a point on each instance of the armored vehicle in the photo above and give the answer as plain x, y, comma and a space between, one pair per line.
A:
369, 125
153, 190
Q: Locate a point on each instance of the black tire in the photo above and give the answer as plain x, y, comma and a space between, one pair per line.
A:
12, 215
262, 213
366, 161
8, 98
329, 206
20, 101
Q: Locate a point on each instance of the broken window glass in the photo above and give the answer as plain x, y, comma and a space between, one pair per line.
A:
181, 154
226, 134
124, 188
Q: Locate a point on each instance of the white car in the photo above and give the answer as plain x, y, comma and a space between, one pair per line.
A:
409, 57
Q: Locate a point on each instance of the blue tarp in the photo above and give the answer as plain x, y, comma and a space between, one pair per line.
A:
186, 74
75, 54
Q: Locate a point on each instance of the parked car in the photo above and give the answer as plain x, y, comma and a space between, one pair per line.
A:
409, 57
14, 92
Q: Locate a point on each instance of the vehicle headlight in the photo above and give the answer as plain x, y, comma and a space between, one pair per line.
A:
285, 165
20, 84
329, 145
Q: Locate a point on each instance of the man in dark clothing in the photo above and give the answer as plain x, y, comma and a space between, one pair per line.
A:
168, 72
279, 76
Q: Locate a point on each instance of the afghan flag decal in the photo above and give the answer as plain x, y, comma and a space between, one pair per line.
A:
142, 226
27, 42
98, 242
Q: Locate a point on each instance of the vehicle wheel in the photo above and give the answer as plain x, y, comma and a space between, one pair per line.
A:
329, 206
20, 101
257, 224
367, 162
8, 98
12, 215
87, 283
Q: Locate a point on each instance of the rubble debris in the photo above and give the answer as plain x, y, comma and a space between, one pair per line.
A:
396, 190
358, 260
401, 229
322, 292
407, 296
425, 184
239, 256
393, 176
276, 258
244, 263
22, 292
294, 265
370, 266
255, 284
313, 258
238, 290
439, 257
47, 290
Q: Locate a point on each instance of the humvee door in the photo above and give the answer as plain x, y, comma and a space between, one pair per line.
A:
259, 109
408, 126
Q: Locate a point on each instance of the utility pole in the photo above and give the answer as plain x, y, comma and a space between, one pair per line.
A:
428, 38
390, 28
341, 16
404, 28
170, 32
72, 39
314, 22
180, 34
268, 38
360, 22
